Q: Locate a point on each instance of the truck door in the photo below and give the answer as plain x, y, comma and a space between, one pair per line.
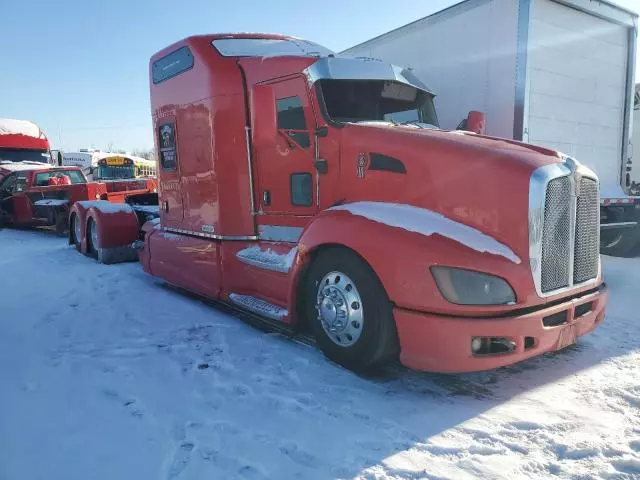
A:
13, 199
171, 207
285, 167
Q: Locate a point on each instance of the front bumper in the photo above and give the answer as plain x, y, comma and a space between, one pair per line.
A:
436, 343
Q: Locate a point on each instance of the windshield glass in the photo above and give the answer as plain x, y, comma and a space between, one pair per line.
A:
109, 172
23, 154
43, 179
377, 100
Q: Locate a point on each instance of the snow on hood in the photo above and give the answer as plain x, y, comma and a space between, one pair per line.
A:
9, 126
427, 222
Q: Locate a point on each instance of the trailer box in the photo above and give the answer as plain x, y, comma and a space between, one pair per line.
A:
558, 73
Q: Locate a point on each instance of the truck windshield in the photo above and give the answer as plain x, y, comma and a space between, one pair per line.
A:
24, 154
109, 172
377, 100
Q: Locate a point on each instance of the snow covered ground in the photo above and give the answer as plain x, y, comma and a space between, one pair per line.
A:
106, 374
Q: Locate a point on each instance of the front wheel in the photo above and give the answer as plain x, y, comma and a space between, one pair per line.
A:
349, 310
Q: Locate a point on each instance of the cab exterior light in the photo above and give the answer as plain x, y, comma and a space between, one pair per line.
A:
467, 287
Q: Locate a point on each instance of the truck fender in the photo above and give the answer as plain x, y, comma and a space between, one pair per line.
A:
117, 228
401, 259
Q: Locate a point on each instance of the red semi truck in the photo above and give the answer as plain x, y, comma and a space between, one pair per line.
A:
318, 192
22, 140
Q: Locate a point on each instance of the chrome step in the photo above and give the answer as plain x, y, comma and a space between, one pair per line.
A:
259, 306
267, 259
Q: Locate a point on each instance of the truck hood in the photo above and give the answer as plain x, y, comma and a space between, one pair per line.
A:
478, 181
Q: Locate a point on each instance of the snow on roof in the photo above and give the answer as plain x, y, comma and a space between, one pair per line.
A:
10, 126
427, 222
19, 166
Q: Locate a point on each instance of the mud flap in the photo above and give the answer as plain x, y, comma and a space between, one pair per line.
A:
121, 254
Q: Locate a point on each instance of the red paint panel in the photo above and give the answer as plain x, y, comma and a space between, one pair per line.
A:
186, 262
443, 344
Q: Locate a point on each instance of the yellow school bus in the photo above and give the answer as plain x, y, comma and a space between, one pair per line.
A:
113, 166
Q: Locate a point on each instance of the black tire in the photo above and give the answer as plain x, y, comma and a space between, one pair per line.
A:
72, 228
624, 243
378, 341
92, 250
61, 222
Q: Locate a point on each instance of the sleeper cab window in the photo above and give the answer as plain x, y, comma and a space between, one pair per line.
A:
167, 145
173, 64
291, 118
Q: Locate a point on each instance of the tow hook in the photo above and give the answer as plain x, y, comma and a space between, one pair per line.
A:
137, 245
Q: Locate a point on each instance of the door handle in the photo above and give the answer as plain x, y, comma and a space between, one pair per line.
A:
266, 198
166, 206
322, 166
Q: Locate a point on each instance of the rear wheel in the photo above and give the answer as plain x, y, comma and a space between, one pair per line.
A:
623, 243
61, 222
92, 238
76, 230
350, 313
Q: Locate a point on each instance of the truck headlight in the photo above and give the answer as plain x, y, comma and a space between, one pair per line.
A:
466, 287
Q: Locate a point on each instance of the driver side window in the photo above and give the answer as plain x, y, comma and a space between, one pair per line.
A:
291, 118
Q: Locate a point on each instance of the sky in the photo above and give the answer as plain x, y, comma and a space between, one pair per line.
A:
79, 68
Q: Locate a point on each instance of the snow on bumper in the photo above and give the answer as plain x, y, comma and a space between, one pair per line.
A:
443, 344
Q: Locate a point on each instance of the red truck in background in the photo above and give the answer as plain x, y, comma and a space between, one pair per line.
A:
37, 190
22, 140
317, 192
36, 194
33, 194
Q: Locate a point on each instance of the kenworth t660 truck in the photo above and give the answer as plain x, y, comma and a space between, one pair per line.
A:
317, 192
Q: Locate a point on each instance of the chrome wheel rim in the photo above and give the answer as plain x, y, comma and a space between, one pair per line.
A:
94, 235
76, 230
339, 309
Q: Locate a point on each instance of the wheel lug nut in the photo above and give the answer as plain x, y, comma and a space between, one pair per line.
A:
355, 324
355, 305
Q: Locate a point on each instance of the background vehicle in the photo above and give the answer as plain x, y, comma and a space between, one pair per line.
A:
86, 159
554, 73
22, 140
319, 194
125, 175
111, 166
34, 194
635, 142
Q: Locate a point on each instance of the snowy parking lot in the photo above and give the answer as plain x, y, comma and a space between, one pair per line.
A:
107, 374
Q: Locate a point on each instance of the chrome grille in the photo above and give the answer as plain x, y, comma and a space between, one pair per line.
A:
587, 246
556, 235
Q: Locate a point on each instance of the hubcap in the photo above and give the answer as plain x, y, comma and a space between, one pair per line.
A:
339, 308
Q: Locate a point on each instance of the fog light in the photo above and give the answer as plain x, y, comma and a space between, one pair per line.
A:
492, 345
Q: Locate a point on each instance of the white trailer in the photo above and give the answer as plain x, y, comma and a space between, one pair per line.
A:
558, 73
86, 159
635, 142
